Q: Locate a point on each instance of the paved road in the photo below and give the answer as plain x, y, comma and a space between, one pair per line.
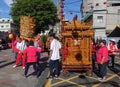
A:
80, 79
13, 77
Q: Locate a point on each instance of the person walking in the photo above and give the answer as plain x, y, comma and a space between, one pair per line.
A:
14, 48
93, 49
21, 45
31, 52
53, 60
38, 44
102, 60
112, 49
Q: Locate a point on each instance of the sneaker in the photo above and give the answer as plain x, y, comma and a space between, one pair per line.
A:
14, 66
99, 78
23, 67
50, 78
56, 77
102, 79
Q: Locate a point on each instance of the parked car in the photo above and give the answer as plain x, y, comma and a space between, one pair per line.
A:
3, 44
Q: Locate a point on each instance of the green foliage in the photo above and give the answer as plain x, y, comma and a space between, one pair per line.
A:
44, 40
44, 11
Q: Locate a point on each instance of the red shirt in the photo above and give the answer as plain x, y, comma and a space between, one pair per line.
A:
112, 49
103, 51
14, 46
39, 43
93, 48
31, 52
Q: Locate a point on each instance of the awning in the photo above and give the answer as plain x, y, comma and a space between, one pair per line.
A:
87, 18
115, 32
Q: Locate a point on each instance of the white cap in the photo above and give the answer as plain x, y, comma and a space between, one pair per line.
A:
112, 40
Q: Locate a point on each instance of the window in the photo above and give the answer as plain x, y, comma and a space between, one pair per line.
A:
115, 4
3, 20
7, 25
97, 4
100, 19
119, 11
2, 26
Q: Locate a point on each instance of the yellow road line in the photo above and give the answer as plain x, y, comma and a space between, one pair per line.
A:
63, 80
48, 82
96, 85
72, 83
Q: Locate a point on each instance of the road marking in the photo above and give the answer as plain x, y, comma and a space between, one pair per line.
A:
63, 80
109, 78
67, 80
73, 83
48, 82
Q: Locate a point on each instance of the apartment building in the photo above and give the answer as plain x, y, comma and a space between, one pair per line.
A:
6, 24
105, 15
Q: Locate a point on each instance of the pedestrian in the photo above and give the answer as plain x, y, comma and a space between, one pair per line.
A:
38, 44
0, 44
48, 45
112, 49
15, 50
21, 45
93, 49
102, 60
54, 58
31, 52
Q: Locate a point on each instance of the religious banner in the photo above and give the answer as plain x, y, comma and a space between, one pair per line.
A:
27, 27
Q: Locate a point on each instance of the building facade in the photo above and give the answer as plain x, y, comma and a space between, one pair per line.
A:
6, 24
105, 15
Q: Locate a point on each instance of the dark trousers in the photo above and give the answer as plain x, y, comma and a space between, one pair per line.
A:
54, 65
112, 60
93, 61
38, 58
34, 67
102, 69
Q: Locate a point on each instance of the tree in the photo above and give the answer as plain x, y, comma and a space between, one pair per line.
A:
44, 11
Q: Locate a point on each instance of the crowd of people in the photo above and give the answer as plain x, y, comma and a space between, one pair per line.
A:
28, 53
104, 55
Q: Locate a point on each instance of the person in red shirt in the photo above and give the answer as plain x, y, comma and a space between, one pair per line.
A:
112, 49
93, 49
31, 53
38, 44
15, 50
102, 60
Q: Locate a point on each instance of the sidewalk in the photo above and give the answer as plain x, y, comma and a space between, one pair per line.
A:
13, 77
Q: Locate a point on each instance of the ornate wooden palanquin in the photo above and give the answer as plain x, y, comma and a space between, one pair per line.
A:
76, 44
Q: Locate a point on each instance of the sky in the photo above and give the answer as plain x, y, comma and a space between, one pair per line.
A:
71, 8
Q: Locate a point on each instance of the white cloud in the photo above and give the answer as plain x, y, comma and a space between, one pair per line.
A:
1, 10
8, 2
4, 11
